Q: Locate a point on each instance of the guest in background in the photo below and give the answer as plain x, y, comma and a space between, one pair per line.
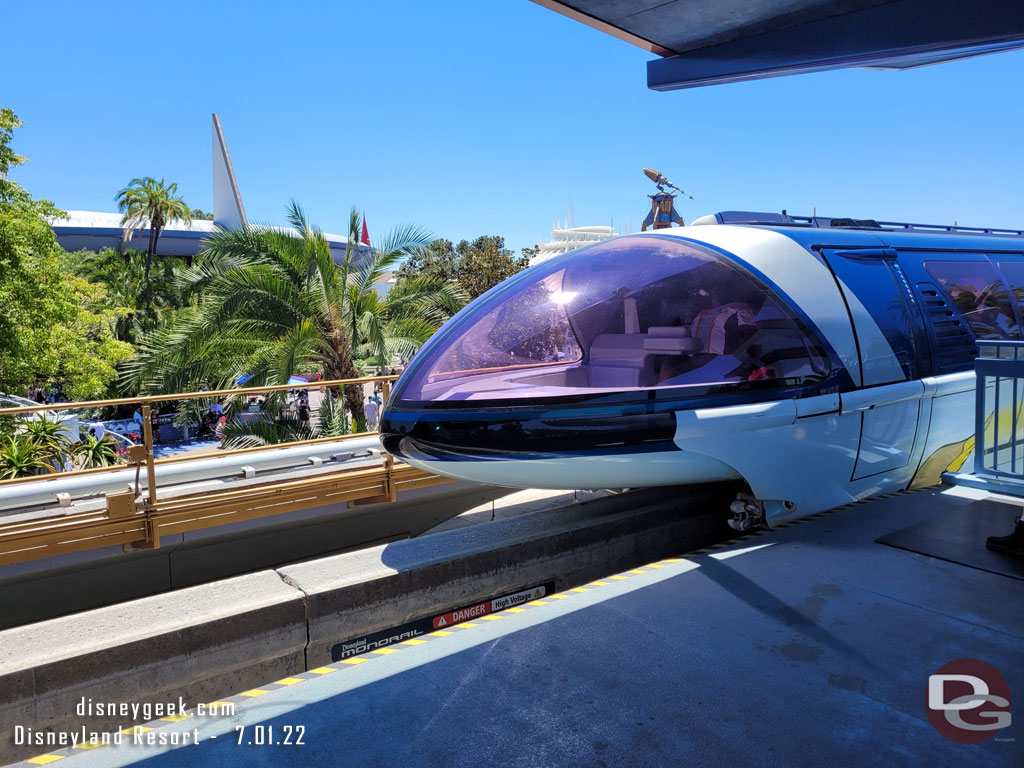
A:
372, 411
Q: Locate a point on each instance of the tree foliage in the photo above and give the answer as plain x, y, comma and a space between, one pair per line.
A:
486, 262
271, 303
477, 265
123, 276
55, 327
89, 453
332, 421
438, 259
36, 445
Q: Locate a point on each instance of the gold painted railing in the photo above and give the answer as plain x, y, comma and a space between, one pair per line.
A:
139, 522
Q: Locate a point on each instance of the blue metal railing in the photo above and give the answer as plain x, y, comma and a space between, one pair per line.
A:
998, 418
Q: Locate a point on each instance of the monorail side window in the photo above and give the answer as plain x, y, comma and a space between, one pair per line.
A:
980, 294
1013, 271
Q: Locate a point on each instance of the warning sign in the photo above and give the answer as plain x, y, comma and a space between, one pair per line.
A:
501, 603
481, 609
422, 626
464, 614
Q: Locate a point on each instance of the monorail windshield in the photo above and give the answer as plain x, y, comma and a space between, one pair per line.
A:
631, 313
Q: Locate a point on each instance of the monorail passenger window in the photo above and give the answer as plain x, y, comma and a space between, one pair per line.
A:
980, 294
1013, 271
892, 356
633, 313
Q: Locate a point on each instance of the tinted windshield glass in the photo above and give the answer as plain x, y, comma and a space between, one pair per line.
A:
632, 313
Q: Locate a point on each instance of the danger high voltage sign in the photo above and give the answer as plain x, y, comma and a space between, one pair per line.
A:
422, 626
481, 609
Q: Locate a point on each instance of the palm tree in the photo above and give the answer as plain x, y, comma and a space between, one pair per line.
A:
149, 202
123, 274
331, 422
271, 302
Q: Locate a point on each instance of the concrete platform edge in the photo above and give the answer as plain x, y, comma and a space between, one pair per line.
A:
206, 642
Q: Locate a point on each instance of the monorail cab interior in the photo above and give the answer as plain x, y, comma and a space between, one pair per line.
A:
629, 314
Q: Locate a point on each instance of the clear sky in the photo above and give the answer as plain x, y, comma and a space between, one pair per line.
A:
482, 117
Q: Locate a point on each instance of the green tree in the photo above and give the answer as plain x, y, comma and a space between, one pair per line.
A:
331, 421
477, 265
199, 213
55, 327
485, 263
32, 446
9, 190
123, 276
439, 259
270, 303
150, 203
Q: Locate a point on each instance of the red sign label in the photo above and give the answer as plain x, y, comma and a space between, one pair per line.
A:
464, 614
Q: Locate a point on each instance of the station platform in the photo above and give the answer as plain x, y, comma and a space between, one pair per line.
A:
807, 645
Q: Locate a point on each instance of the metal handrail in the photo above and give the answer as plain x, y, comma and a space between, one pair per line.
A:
142, 528
190, 395
998, 361
128, 520
147, 399
180, 459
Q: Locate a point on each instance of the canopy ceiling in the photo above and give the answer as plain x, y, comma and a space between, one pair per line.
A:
706, 42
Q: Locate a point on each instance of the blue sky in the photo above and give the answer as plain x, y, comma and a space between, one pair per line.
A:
483, 117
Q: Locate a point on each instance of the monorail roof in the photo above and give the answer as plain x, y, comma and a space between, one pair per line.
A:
887, 238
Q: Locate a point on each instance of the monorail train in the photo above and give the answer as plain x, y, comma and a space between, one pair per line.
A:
820, 361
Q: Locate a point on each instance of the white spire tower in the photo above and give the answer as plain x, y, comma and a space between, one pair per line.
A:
228, 210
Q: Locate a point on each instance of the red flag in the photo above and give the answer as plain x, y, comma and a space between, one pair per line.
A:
365, 239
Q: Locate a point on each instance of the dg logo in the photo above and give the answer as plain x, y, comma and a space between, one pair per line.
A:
968, 701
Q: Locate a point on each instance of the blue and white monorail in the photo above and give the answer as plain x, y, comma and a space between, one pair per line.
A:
820, 361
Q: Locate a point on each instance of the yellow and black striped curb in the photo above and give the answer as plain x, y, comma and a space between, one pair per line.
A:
240, 699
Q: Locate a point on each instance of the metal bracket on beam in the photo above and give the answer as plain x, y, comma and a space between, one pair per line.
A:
121, 504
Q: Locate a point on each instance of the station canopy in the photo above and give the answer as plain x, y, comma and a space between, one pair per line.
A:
707, 42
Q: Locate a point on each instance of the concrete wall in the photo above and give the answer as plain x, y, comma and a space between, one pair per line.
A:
197, 643
209, 641
80, 581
